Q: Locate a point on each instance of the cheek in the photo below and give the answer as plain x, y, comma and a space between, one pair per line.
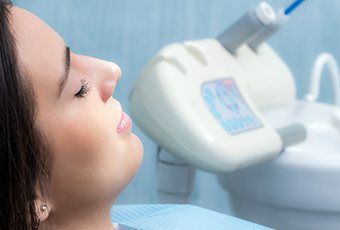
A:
85, 135
87, 126
86, 140
90, 157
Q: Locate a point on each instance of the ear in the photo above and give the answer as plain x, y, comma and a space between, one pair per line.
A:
42, 208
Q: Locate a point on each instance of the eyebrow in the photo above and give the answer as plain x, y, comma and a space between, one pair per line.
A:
67, 63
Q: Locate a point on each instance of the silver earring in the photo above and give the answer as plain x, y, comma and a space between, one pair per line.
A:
43, 207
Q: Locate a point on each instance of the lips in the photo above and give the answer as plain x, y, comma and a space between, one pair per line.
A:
125, 124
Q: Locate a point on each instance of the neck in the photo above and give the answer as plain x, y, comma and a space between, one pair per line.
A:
82, 219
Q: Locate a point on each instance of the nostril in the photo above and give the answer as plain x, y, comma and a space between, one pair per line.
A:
107, 90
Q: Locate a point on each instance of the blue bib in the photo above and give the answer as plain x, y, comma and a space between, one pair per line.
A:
175, 217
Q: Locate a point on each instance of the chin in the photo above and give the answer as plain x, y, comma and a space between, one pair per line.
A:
133, 159
137, 150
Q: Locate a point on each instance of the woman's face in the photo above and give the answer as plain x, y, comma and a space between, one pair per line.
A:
94, 154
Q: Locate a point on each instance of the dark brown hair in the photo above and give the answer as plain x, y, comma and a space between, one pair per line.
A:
23, 155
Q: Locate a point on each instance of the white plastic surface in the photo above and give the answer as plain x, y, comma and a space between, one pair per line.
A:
167, 103
265, 13
269, 81
336, 119
301, 186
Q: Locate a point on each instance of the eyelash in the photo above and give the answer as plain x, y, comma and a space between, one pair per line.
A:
84, 90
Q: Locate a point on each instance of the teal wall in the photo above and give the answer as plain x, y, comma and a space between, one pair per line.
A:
130, 32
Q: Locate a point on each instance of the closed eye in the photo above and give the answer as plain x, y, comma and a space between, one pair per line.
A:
84, 90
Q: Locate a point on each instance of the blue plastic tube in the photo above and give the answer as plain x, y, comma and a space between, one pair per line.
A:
293, 6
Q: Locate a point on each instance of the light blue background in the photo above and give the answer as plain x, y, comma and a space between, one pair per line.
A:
130, 32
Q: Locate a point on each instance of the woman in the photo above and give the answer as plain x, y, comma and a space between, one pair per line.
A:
67, 150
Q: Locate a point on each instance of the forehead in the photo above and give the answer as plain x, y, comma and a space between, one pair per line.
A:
40, 50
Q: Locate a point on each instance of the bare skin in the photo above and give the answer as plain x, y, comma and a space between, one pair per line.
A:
92, 162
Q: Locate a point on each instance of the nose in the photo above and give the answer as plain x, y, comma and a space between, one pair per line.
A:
111, 74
